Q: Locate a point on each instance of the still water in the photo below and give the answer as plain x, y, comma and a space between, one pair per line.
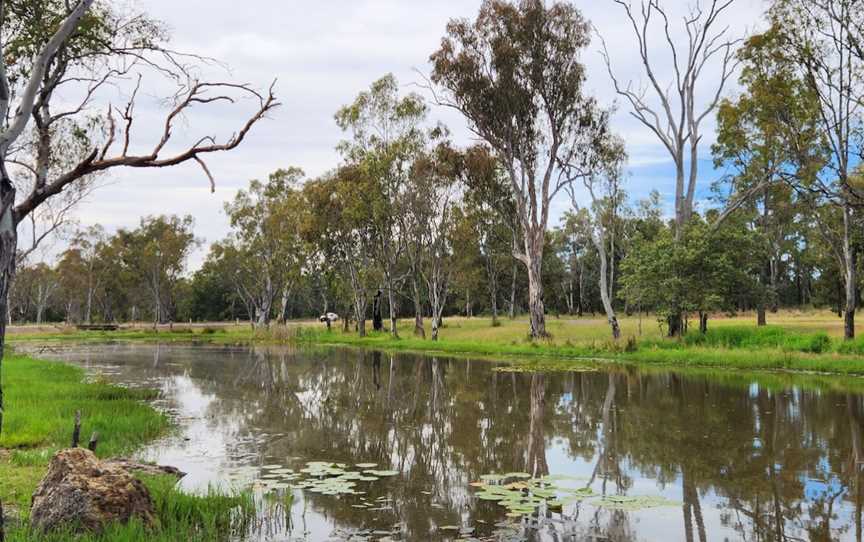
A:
723, 456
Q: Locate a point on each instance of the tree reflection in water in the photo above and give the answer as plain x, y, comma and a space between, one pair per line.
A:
763, 458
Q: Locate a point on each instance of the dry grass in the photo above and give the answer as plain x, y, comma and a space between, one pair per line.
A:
591, 329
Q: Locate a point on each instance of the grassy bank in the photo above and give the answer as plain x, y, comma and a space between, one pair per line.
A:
727, 345
41, 400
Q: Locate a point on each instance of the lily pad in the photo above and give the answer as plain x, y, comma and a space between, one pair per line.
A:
381, 473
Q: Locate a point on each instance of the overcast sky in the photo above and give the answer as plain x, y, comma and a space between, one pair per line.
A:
322, 54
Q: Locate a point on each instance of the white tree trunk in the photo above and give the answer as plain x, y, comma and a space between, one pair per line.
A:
850, 274
605, 293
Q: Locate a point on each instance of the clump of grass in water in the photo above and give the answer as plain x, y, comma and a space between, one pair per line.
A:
182, 517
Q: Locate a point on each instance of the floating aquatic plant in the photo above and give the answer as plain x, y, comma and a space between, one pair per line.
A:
322, 477
522, 495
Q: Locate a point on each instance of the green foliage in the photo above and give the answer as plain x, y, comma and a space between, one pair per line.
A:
154, 257
852, 347
264, 255
707, 270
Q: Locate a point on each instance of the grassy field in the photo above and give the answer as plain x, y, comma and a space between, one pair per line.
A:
41, 400
794, 341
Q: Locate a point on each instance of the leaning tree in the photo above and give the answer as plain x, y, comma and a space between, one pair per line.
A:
516, 75
62, 63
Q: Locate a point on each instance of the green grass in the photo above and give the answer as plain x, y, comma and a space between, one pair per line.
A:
727, 345
182, 518
41, 400
178, 334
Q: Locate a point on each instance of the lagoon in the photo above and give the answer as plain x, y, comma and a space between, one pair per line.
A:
605, 453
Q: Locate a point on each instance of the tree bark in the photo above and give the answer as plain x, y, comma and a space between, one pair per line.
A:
391, 300
535, 296
512, 314
494, 300
88, 308
419, 330
8, 249
377, 320
605, 286
675, 324
283, 305
850, 275
492, 276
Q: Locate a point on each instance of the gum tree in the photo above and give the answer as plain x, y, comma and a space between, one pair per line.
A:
386, 136
515, 73
265, 223
822, 39
675, 109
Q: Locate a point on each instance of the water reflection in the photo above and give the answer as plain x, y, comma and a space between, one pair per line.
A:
773, 458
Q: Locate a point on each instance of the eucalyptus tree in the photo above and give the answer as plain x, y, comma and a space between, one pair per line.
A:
437, 179
224, 263
155, 253
821, 39
214, 296
431, 194
72, 277
674, 110
265, 231
86, 244
386, 136
516, 75
604, 189
44, 283
336, 222
56, 60
490, 209
575, 249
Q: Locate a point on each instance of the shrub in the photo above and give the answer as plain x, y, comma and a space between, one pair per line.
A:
760, 337
852, 347
814, 344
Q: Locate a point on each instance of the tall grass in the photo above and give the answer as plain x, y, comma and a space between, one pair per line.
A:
182, 517
761, 337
